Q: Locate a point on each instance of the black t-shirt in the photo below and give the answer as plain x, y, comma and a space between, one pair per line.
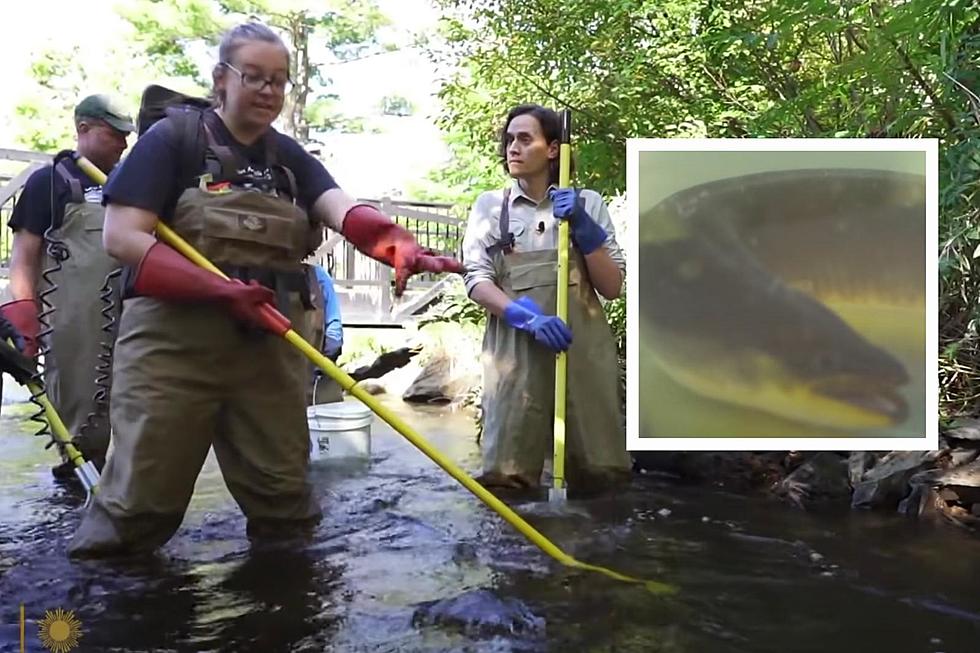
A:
33, 209
150, 177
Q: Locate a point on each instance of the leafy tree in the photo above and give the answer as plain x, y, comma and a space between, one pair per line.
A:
732, 68
718, 68
169, 44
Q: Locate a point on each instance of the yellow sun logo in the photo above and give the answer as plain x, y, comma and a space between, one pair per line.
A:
59, 630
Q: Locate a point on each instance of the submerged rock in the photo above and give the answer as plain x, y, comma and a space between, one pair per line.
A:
480, 613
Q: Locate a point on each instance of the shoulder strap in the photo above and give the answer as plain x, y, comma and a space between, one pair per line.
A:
188, 125
506, 242
286, 180
290, 181
75, 187
227, 159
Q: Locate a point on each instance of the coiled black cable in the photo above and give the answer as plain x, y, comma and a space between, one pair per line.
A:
59, 253
103, 371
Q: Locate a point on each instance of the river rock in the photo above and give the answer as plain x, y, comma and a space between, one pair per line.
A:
372, 387
959, 457
887, 483
735, 470
822, 477
858, 463
964, 429
954, 493
441, 381
480, 613
964, 480
921, 502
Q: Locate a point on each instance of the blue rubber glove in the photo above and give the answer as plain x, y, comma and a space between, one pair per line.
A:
587, 235
549, 330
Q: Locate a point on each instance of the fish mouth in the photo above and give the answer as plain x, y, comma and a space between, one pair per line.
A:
877, 397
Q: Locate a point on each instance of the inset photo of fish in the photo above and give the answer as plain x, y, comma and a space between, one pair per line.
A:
782, 294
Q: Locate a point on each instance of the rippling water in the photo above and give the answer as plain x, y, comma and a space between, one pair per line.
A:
400, 539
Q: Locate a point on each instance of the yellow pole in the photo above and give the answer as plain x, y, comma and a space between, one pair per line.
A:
22, 638
558, 492
348, 383
85, 470
58, 427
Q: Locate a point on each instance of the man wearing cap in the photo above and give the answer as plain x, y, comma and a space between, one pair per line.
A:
72, 208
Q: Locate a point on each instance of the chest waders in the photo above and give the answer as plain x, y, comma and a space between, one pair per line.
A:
191, 377
519, 378
79, 291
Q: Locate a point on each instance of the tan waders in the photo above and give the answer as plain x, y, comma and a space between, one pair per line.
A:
189, 377
519, 381
77, 322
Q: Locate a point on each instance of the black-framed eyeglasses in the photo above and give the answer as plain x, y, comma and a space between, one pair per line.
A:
280, 84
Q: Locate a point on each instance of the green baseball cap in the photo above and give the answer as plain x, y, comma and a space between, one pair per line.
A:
102, 107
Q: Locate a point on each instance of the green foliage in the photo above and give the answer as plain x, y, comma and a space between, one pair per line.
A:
455, 307
167, 30
733, 68
694, 68
615, 311
314, 31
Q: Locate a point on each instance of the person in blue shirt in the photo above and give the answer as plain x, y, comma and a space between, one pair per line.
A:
333, 338
325, 390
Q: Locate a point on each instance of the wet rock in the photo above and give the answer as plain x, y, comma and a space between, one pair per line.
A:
964, 429
373, 387
480, 613
440, 382
887, 483
735, 470
822, 477
959, 485
958, 457
921, 502
858, 463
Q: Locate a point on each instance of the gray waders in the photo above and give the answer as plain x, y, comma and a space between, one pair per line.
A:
77, 321
519, 381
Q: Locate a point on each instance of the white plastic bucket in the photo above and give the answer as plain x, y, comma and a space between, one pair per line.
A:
340, 430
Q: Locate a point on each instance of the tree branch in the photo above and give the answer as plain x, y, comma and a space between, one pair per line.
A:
924, 85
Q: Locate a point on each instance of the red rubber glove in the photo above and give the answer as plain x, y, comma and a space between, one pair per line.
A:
376, 235
165, 274
22, 315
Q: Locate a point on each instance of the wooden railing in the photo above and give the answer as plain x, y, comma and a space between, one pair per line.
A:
10, 187
365, 286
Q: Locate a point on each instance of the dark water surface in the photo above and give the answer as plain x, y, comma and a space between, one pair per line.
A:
407, 560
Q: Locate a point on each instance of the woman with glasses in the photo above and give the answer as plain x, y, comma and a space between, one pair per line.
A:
197, 362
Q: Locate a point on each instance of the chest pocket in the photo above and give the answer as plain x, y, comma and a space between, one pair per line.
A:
258, 227
244, 228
